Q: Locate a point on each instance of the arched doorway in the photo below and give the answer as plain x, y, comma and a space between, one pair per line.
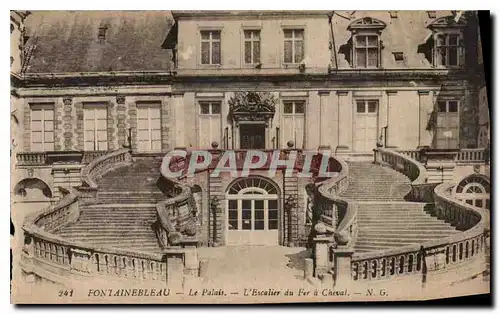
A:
30, 195
252, 212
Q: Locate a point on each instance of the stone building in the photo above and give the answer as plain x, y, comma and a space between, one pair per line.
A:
343, 81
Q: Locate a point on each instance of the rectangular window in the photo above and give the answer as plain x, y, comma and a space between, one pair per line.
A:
42, 128
448, 49
366, 51
294, 45
252, 46
366, 106
95, 134
293, 122
447, 126
210, 47
149, 127
209, 121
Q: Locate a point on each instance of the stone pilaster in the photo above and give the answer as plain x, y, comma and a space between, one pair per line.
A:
344, 120
67, 126
324, 120
111, 117
392, 126
166, 130
58, 125
425, 110
27, 127
180, 123
78, 127
132, 116
121, 118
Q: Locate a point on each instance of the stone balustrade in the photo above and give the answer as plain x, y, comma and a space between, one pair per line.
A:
441, 254
429, 257
471, 155
58, 259
412, 153
89, 156
99, 166
31, 158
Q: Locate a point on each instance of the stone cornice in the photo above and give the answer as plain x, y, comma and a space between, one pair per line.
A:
188, 76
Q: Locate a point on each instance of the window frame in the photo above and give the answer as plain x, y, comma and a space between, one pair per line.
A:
459, 47
92, 106
366, 48
366, 102
210, 41
149, 106
210, 103
293, 40
252, 41
42, 108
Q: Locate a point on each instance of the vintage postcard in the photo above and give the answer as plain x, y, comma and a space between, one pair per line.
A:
248, 156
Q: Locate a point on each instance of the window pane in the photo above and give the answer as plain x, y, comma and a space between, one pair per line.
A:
479, 203
453, 57
299, 51
216, 35
373, 57
36, 126
441, 57
361, 58
288, 33
233, 214
273, 204
48, 114
441, 40
452, 106
360, 41
372, 106
259, 214
256, 52
205, 53
360, 106
233, 224
288, 51
248, 52
287, 107
442, 106
259, 225
248, 34
247, 204
273, 214
233, 204
36, 137
204, 108
373, 41
299, 33
259, 204
49, 137
216, 53
36, 114
453, 39
273, 224
215, 108
299, 107
246, 224
205, 35
101, 113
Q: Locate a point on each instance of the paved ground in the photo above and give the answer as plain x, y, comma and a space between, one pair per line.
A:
254, 266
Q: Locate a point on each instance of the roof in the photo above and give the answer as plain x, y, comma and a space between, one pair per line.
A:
67, 41
248, 13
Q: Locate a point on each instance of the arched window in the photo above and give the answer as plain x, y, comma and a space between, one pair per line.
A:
474, 190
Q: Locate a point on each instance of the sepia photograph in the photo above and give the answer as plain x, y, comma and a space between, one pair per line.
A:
249, 156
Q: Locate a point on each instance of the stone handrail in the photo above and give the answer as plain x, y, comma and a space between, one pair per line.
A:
73, 259
450, 252
436, 254
31, 158
471, 155
100, 165
412, 153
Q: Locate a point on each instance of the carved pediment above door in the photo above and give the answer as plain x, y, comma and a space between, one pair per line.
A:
252, 106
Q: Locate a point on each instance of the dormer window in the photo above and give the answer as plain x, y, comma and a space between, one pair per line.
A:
101, 36
366, 44
448, 41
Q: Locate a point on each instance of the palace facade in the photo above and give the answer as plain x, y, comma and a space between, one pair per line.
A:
87, 83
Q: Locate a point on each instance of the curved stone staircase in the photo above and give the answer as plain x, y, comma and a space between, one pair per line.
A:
385, 219
126, 210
